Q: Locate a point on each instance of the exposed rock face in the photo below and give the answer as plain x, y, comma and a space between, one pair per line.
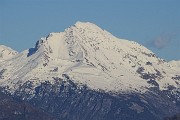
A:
175, 117
69, 101
13, 109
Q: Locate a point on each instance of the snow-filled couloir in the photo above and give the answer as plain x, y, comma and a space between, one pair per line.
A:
92, 56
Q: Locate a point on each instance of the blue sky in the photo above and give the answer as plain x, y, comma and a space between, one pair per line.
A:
152, 23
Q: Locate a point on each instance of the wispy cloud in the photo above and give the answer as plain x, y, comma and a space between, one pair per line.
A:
163, 40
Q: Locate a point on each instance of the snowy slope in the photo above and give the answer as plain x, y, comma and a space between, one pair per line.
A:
175, 63
6, 53
91, 56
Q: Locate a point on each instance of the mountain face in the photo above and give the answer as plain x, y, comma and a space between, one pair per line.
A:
175, 63
6, 53
175, 117
85, 73
12, 109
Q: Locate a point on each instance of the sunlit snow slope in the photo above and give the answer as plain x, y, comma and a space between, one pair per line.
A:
6, 53
91, 56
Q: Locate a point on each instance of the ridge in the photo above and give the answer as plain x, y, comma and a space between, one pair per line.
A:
87, 67
90, 56
6, 53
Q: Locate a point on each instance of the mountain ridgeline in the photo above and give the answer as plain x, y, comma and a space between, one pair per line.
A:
86, 73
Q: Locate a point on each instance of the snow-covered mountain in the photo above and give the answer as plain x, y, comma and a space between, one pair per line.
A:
87, 55
175, 63
6, 53
91, 56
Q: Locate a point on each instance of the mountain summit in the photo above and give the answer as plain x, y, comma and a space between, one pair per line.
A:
91, 56
6, 53
86, 55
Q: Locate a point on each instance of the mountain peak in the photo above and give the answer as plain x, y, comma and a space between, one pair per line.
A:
85, 64
6, 53
81, 23
175, 63
92, 56
64, 44
84, 24
88, 26
5, 47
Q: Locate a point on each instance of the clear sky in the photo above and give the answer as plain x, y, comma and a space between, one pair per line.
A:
152, 23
